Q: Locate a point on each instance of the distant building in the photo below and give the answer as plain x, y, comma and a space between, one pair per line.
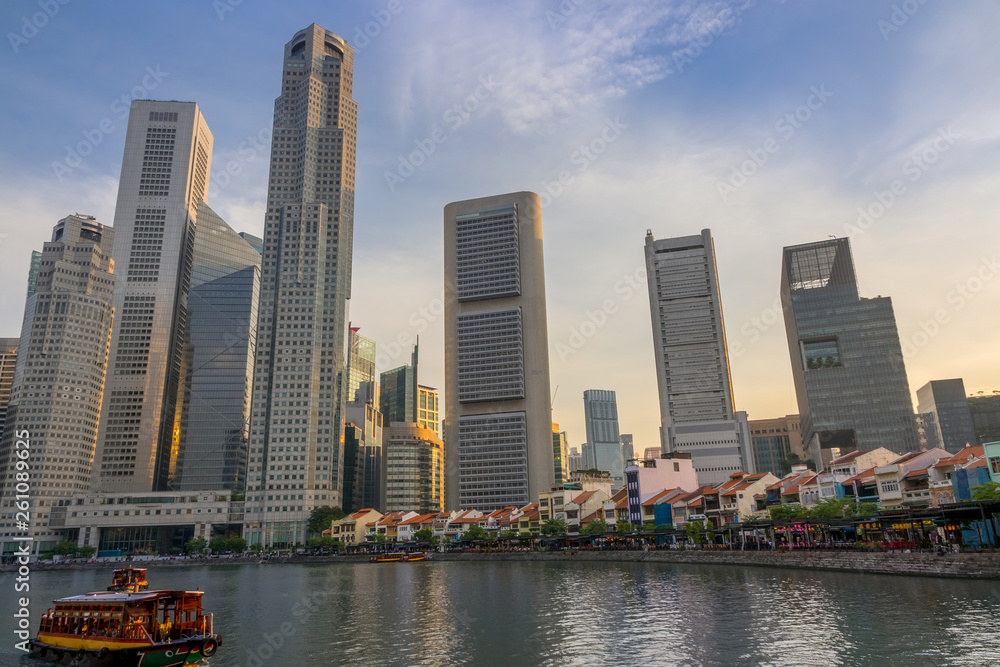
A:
675, 471
363, 428
774, 440
498, 418
55, 396
986, 417
847, 362
560, 454
628, 450
403, 399
952, 424
697, 413
651, 453
8, 358
575, 461
413, 473
600, 408
36, 263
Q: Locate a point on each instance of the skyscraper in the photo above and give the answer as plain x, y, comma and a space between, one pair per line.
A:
560, 455
219, 359
360, 366
951, 418
363, 431
600, 409
697, 414
846, 358
8, 358
628, 447
55, 400
413, 475
498, 428
36, 262
403, 399
299, 381
164, 177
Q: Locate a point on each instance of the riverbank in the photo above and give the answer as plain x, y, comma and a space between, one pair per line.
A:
958, 566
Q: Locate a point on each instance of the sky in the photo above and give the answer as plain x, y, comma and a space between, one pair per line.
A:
770, 122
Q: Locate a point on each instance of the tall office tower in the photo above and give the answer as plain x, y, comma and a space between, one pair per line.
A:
36, 263
697, 414
403, 399
255, 242
165, 170
774, 441
952, 420
219, 359
413, 475
55, 399
575, 461
363, 432
8, 358
299, 382
600, 409
560, 455
587, 456
360, 365
846, 358
498, 417
628, 449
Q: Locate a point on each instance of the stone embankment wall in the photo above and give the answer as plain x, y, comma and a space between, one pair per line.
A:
967, 566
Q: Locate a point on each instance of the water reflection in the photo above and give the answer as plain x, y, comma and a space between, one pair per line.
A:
574, 613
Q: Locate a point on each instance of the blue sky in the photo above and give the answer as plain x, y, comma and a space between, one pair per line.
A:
772, 123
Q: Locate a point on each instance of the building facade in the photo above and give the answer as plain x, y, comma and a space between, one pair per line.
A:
774, 441
164, 177
951, 419
847, 362
628, 447
498, 428
413, 474
296, 430
600, 409
8, 359
560, 454
59, 378
697, 413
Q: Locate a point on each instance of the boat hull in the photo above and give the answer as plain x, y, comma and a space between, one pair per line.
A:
190, 651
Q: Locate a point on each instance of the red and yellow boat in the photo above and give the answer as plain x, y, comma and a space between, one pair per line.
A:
127, 629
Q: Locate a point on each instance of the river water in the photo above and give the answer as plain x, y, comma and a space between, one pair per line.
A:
580, 613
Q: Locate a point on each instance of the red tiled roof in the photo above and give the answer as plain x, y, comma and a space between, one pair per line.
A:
861, 476
584, 497
420, 518
657, 496
961, 457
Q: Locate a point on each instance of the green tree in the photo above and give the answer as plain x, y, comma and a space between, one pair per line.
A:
474, 533
554, 527
694, 530
324, 541
380, 538
988, 491
423, 535
86, 551
595, 527
504, 534
321, 518
624, 527
65, 548
195, 546
786, 512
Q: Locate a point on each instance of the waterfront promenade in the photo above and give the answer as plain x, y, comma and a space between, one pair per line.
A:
968, 565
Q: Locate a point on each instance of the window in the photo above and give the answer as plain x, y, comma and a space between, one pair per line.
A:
823, 353
994, 465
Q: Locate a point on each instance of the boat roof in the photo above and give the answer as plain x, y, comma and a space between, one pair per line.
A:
102, 597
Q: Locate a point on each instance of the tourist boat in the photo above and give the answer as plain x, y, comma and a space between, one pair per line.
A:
127, 629
399, 557
128, 580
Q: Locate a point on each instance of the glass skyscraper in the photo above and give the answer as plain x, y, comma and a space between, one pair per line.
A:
300, 384
846, 358
600, 409
219, 356
951, 419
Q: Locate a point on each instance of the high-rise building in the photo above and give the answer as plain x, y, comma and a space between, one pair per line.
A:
600, 408
360, 365
951, 420
413, 474
164, 177
36, 263
59, 379
587, 456
363, 434
219, 359
697, 413
575, 461
847, 363
774, 441
296, 428
628, 448
498, 421
560, 455
403, 399
8, 358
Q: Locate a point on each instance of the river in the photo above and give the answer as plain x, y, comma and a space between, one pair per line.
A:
580, 613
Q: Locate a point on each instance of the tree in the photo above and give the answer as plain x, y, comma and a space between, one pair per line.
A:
323, 542
65, 548
195, 546
694, 531
988, 491
786, 512
624, 527
321, 518
554, 527
793, 459
595, 527
474, 533
423, 535
86, 551
504, 534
